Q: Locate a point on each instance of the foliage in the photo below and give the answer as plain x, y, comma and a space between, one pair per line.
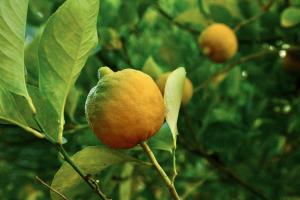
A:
238, 137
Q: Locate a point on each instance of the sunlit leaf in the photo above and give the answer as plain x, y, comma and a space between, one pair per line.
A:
192, 16
92, 160
12, 36
12, 112
151, 68
204, 7
172, 97
290, 17
68, 38
125, 187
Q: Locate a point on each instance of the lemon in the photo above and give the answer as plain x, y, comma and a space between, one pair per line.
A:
124, 108
291, 62
187, 88
218, 42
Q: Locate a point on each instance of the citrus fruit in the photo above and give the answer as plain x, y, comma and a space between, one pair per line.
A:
291, 62
124, 108
218, 42
187, 88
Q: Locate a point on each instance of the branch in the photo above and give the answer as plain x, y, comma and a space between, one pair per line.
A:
197, 149
224, 169
51, 188
191, 189
89, 180
161, 172
232, 65
171, 19
264, 9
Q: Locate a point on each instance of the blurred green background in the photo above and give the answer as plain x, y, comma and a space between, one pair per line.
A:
239, 137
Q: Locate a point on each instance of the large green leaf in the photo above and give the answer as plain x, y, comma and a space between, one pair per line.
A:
290, 17
11, 111
12, 35
68, 38
204, 7
72, 103
172, 98
162, 140
91, 160
125, 187
45, 115
151, 68
32, 62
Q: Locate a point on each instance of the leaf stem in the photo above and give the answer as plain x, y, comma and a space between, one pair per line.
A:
232, 65
89, 180
50, 188
174, 166
264, 9
92, 183
161, 172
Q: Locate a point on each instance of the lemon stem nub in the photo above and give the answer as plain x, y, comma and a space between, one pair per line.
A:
206, 51
103, 71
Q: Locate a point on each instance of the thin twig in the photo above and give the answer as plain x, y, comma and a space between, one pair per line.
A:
161, 172
76, 128
191, 189
178, 24
221, 167
197, 149
51, 188
264, 9
91, 182
232, 65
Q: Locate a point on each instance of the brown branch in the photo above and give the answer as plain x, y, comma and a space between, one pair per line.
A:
178, 24
197, 149
51, 188
264, 10
232, 65
221, 167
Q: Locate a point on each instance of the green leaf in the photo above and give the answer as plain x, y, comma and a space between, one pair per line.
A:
91, 160
172, 98
290, 17
220, 13
12, 35
10, 111
204, 7
39, 11
192, 16
162, 140
72, 102
68, 38
45, 114
32, 62
151, 68
126, 185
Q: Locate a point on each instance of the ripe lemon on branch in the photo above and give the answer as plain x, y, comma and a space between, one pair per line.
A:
124, 108
218, 42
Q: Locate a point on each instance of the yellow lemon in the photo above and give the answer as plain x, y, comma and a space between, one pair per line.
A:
187, 88
124, 108
218, 42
